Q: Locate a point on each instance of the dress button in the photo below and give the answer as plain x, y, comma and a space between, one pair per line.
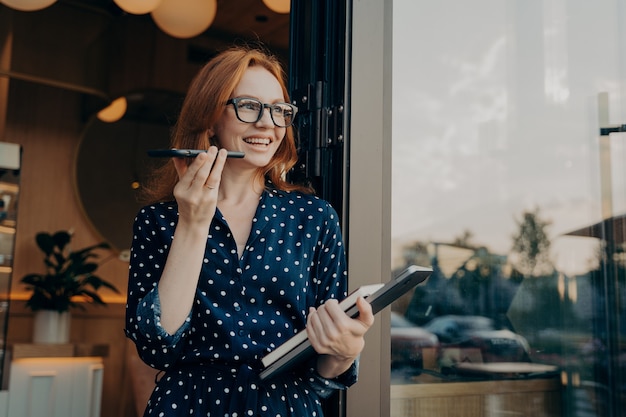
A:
237, 308
241, 332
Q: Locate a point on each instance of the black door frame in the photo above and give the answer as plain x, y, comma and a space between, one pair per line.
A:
319, 80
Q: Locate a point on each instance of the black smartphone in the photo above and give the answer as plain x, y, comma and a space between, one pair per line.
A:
186, 153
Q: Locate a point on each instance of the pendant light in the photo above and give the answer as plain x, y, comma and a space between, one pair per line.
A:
137, 6
114, 111
278, 6
184, 18
28, 5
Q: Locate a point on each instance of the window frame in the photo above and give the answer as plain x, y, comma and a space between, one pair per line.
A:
369, 191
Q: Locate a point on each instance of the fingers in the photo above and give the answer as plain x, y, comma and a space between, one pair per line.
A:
321, 326
366, 315
331, 331
332, 316
181, 166
205, 170
197, 189
214, 175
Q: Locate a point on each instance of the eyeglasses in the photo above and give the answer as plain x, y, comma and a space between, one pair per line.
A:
250, 110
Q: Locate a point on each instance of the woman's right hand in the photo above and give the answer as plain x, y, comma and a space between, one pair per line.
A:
196, 194
198, 184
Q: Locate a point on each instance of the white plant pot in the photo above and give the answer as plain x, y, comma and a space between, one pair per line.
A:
51, 327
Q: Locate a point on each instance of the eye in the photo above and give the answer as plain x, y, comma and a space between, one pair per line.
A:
288, 111
278, 109
250, 105
282, 110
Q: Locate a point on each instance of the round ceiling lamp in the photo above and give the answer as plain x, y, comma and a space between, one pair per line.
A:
137, 6
278, 6
114, 111
28, 5
184, 18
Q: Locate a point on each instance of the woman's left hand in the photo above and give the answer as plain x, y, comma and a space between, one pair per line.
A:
337, 337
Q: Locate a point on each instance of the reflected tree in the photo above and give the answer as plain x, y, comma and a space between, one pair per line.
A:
531, 245
464, 240
482, 282
479, 284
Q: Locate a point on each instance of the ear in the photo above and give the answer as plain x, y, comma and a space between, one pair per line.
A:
211, 136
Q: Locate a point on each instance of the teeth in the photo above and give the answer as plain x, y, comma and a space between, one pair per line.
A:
257, 141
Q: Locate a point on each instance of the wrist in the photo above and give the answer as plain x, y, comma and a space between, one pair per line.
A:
330, 366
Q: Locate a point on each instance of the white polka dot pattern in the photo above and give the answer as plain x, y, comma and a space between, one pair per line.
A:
244, 308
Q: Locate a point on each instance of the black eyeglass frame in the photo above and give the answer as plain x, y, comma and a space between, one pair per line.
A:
264, 106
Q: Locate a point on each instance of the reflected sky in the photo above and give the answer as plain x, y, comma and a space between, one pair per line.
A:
494, 113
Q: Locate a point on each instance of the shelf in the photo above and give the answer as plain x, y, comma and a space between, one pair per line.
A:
32, 350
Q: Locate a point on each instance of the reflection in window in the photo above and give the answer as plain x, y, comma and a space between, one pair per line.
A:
502, 183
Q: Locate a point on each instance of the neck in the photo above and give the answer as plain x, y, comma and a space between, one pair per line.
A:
240, 187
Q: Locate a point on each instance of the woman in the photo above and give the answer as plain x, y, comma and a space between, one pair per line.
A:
232, 260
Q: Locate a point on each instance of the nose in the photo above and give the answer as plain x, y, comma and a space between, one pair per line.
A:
266, 118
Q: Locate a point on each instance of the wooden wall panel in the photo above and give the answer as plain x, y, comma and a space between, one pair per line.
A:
6, 43
46, 121
56, 66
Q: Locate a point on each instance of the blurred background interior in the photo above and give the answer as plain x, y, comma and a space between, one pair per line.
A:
505, 124
86, 87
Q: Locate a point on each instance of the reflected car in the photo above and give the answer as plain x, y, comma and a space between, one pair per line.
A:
496, 345
407, 341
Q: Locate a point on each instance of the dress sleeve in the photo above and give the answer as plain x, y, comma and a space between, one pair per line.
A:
331, 264
332, 274
154, 345
324, 387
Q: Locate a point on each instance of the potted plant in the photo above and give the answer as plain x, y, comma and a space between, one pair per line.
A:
69, 274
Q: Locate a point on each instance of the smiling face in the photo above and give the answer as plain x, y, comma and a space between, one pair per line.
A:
260, 140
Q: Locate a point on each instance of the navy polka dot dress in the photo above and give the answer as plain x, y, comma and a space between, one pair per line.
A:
244, 308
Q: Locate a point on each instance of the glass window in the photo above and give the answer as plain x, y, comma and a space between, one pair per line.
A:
509, 179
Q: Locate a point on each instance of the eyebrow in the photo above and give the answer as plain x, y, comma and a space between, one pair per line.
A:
281, 100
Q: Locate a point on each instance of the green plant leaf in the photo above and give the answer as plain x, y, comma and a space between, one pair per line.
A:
60, 261
45, 242
83, 269
32, 279
69, 274
61, 239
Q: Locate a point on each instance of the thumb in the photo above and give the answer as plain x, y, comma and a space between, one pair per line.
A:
181, 166
366, 316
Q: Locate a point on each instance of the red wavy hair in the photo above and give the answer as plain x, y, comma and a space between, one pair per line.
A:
204, 105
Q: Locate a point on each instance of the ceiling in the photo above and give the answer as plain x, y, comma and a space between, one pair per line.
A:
78, 54
236, 20
96, 50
